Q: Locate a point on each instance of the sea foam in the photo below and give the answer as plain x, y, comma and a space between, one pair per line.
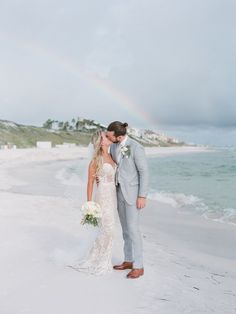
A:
192, 202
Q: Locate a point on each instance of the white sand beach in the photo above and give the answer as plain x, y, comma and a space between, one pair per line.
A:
190, 262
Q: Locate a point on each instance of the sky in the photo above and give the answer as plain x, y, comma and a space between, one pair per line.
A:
165, 65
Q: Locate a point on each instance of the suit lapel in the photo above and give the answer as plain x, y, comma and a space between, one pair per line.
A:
122, 156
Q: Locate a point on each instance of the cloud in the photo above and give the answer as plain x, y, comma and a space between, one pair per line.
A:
174, 59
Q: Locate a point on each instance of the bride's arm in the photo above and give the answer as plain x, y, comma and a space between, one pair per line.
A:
91, 178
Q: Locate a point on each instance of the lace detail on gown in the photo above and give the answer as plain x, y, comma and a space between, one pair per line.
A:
99, 259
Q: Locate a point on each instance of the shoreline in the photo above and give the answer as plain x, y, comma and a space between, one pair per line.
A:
169, 151
68, 153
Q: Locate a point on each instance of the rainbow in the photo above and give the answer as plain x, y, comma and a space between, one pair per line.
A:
114, 93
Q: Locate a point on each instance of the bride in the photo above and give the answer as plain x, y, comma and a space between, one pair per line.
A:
103, 168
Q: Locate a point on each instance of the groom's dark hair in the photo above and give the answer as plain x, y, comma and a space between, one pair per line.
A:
118, 128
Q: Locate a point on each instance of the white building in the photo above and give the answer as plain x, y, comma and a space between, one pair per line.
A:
41, 144
8, 146
67, 145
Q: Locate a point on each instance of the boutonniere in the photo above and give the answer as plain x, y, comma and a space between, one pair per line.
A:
125, 151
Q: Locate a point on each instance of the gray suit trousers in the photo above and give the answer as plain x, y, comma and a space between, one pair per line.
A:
129, 219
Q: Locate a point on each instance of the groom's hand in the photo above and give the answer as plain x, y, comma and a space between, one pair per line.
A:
141, 202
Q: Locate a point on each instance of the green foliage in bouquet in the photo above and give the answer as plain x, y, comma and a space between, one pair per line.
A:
90, 220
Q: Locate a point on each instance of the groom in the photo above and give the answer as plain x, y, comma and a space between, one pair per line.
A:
132, 186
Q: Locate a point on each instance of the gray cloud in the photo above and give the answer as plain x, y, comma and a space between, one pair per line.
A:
175, 59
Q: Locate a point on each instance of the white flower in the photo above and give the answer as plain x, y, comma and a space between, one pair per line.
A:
91, 213
125, 151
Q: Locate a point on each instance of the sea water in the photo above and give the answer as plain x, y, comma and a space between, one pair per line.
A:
204, 182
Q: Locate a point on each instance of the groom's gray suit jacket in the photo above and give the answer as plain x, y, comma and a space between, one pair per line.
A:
132, 172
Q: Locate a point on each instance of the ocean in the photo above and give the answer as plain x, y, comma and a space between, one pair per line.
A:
203, 182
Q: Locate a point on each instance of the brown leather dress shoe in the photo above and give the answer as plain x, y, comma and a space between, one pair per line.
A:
135, 273
123, 266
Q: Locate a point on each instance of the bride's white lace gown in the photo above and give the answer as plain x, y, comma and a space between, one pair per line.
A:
98, 261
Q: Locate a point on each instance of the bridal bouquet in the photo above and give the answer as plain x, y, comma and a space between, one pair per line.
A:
91, 213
